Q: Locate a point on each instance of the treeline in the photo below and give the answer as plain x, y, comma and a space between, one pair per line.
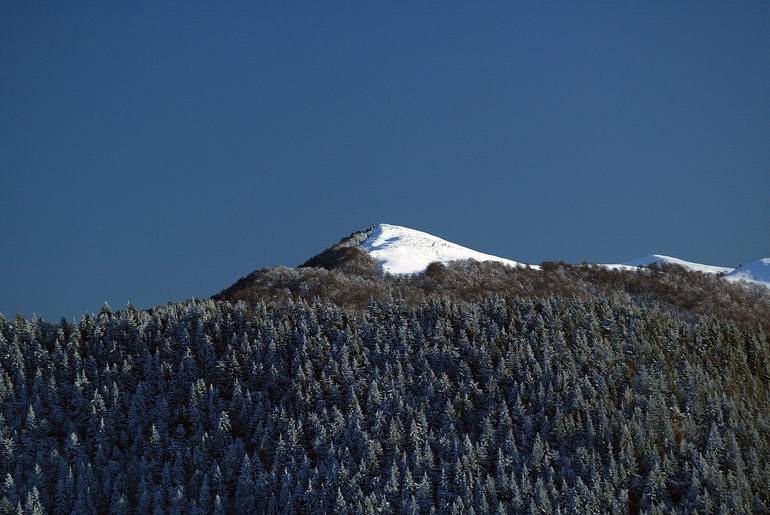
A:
408, 405
354, 280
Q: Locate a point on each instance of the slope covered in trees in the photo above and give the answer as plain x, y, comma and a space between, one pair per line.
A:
353, 280
581, 402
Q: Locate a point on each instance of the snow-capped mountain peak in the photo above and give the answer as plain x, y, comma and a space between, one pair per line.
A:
401, 250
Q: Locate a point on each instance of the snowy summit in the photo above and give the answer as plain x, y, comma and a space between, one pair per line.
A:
753, 272
400, 250
659, 259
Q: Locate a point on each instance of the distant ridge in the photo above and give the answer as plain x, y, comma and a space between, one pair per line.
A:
659, 259
399, 250
757, 272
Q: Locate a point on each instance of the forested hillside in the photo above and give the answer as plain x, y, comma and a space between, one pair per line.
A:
351, 278
476, 400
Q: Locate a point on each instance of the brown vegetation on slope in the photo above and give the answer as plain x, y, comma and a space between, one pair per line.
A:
356, 281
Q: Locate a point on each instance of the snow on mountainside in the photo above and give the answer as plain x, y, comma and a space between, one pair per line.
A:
658, 259
753, 272
400, 250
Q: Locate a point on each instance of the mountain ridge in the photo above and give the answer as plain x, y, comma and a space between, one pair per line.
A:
756, 272
400, 250
659, 259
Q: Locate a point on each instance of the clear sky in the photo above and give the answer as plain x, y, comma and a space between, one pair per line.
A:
154, 153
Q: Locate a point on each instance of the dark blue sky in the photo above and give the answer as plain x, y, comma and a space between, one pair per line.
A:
150, 153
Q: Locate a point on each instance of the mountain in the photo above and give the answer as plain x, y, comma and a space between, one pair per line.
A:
399, 250
473, 387
757, 272
658, 259
420, 267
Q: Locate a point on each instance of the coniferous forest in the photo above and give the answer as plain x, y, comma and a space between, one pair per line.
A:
574, 391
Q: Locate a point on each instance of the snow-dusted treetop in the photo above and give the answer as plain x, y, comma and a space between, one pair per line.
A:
400, 250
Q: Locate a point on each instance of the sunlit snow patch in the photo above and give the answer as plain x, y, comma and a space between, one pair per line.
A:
753, 272
400, 250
